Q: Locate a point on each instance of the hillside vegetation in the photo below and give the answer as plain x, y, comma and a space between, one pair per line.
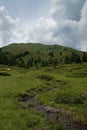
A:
28, 55
42, 87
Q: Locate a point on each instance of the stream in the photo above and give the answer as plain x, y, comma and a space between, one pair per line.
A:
55, 115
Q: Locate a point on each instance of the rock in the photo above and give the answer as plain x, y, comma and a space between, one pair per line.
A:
51, 110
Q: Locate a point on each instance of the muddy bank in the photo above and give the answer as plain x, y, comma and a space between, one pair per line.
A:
54, 115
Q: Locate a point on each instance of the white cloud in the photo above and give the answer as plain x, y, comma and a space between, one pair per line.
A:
66, 25
10, 30
7, 24
69, 9
42, 31
83, 28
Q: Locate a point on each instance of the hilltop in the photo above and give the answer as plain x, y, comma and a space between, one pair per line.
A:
30, 54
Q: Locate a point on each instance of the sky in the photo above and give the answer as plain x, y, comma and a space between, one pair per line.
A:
62, 22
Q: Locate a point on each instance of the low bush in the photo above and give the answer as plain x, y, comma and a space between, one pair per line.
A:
70, 99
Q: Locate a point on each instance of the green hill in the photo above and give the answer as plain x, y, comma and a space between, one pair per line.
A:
50, 95
32, 54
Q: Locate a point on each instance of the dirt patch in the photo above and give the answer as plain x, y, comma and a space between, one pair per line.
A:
50, 113
23, 97
54, 115
45, 77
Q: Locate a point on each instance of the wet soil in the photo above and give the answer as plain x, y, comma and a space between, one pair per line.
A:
54, 115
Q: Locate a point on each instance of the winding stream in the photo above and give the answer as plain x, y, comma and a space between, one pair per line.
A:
55, 115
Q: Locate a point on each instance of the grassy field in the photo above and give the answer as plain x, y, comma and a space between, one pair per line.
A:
63, 87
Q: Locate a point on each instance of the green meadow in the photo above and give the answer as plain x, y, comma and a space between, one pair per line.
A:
61, 87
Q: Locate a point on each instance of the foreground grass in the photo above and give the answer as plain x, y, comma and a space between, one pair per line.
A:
69, 92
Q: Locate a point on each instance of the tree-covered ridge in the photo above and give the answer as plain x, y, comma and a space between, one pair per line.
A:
28, 55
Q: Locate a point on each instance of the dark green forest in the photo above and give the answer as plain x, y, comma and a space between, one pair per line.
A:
39, 55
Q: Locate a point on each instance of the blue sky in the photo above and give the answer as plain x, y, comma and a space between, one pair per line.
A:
27, 10
44, 21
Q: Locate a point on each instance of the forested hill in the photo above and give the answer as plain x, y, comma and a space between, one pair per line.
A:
30, 54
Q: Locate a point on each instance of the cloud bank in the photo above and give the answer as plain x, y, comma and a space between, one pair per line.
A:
7, 25
10, 30
66, 25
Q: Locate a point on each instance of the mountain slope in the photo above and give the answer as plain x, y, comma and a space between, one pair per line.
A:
30, 54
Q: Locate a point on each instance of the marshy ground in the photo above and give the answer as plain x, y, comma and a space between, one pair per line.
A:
49, 98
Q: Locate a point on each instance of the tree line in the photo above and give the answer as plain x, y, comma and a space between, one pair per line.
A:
27, 59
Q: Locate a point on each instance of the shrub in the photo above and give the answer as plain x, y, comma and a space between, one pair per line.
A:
70, 99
